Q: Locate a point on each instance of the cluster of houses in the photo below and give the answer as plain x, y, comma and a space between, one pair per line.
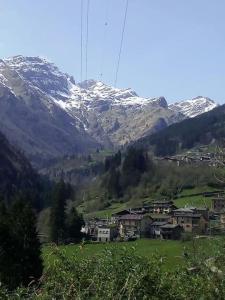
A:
193, 158
160, 219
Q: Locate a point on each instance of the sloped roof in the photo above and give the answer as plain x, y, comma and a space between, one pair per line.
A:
159, 216
121, 212
162, 202
156, 223
185, 209
170, 226
189, 215
131, 217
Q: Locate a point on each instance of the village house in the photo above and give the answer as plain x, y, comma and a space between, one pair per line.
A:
171, 231
135, 224
222, 220
191, 219
218, 204
202, 210
107, 233
161, 218
91, 230
161, 207
155, 229
115, 217
137, 210
92, 225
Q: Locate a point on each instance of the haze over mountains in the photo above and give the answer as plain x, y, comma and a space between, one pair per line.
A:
45, 113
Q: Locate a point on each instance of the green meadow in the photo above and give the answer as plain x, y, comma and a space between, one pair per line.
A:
171, 253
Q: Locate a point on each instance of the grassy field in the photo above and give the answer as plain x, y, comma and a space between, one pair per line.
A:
171, 252
198, 201
114, 208
184, 199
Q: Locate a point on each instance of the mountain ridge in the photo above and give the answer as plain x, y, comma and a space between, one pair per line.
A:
45, 113
190, 108
205, 129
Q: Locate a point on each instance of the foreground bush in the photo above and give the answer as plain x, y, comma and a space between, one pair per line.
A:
120, 274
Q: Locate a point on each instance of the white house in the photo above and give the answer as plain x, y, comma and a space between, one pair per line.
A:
106, 233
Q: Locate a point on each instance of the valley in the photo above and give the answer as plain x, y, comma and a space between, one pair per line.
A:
112, 150
81, 155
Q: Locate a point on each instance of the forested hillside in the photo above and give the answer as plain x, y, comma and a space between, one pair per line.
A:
202, 130
134, 177
17, 176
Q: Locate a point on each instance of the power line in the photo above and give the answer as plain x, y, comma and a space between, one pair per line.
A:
81, 40
102, 57
87, 36
121, 43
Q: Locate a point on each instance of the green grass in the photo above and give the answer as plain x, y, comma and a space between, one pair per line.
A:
171, 252
198, 189
198, 201
188, 200
114, 208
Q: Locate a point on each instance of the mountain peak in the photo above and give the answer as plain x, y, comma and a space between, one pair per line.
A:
41, 73
86, 84
194, 107
20, 60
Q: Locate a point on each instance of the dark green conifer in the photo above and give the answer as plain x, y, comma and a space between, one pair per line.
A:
57, 218
74, 222
20, 250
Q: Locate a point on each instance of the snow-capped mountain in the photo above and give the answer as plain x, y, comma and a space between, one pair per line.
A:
194, 107
47, 114
30, 116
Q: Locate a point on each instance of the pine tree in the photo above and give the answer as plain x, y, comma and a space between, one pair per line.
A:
113, 185
134, 165
7, 248
28, 254
57, 218
20, 255
113, 161
74, 222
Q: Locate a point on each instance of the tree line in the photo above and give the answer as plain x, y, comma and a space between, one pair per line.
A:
20, 249
122, 173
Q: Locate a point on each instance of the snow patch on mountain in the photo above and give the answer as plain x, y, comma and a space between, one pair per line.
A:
194, 107
61, 87
97, 90
108, 115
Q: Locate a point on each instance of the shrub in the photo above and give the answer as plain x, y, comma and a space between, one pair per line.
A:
120, 274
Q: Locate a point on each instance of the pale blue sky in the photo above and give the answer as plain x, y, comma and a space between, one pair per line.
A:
174, 48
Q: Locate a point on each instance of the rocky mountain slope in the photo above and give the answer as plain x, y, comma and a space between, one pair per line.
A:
30, 116
194, 107
45, 113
